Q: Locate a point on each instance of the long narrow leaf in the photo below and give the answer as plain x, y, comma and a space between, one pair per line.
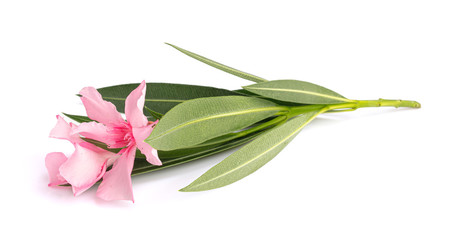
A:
220, 66
297, 92
251, 94
78, 118
154, 114
199, 120
161, 97
141, 166
252, 156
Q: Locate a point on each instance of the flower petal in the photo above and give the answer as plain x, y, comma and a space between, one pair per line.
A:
96, 131
98, 109
140, 134
53, 161
116, 184
63, 130
134, 106
85, 166
79, 190
150, 153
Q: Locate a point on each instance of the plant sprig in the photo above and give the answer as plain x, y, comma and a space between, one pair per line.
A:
198, 121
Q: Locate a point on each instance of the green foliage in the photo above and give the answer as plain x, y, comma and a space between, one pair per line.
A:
78, 118
153, 114
297, 92
161, 97
220, 66
252, 156
141, 165
199, 120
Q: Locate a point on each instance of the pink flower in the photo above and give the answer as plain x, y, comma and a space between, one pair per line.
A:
84, 167
118, 133
113, 130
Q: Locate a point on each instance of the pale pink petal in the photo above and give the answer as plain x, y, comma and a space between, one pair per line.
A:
96, 131
140, 134
85, 165
79, 190
63, 130
53, 161
134, 106
97, 109
116, 184
150, 153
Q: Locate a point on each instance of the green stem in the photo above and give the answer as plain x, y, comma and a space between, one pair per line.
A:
388, 103
294, 111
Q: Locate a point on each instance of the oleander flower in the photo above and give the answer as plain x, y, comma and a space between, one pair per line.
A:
89, 163
84, 167
114, 131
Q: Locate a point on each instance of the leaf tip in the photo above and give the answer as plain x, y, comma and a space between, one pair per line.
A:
192, 187
172, 45
186, 189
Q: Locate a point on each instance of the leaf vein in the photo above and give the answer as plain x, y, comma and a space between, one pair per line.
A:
216, 116
301, 91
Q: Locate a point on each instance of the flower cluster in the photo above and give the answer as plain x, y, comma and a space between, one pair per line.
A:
89, 163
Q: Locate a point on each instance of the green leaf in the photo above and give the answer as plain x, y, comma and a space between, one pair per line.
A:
82, 119
252, 156
297, 91
154, 114
197, 150
198, 120
78, 118
220, 66
283, 103
141, 166
161, 97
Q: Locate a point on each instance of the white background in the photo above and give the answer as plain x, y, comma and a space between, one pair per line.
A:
368, 174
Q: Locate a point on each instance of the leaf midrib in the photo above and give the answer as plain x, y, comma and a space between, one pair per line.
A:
214, 117
301, 91
263, 153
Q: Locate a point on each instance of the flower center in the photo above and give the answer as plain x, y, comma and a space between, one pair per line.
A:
122, 135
